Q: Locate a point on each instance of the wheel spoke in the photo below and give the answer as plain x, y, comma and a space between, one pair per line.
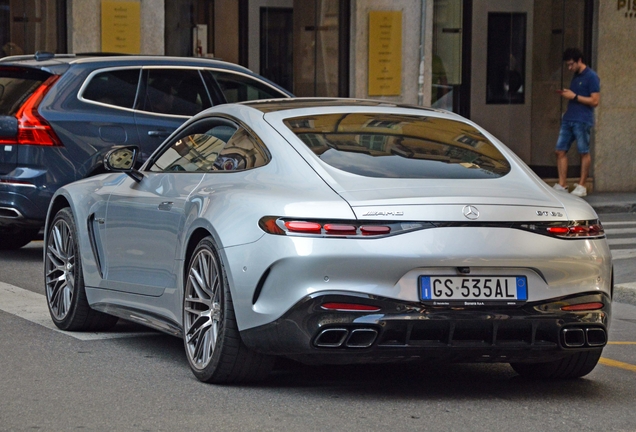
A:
197, 284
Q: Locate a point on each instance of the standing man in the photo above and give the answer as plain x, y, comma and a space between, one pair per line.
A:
583, 96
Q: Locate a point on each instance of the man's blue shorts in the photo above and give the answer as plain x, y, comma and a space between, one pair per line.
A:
571, 131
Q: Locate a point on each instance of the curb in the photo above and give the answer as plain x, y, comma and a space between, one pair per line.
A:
625, 293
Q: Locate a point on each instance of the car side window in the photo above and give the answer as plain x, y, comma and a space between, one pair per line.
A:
114, 87
174, 91
241, 88
216, 147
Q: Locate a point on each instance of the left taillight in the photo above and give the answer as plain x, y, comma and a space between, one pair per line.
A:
33, 129
337, 228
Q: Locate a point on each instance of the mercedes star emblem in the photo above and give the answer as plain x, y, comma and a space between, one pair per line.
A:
470, 212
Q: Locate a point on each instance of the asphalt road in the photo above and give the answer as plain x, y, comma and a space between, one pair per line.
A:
139, 380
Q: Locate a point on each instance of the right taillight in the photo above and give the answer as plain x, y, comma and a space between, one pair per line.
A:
32, 128
578, 229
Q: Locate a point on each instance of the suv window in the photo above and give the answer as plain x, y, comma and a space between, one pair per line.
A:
16, 85
400, 146
241, 88
115, 87
175, 91
212, 146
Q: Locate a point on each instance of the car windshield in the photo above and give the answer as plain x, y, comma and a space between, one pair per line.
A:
400, 146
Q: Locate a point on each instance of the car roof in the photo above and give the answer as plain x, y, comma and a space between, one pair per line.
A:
273, 105
59, 63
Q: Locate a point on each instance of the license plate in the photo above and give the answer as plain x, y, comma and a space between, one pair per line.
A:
473, 290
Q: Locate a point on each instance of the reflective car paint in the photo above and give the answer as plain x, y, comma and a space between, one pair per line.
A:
272, 276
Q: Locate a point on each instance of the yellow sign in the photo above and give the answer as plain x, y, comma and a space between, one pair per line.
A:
385, 53
121, 27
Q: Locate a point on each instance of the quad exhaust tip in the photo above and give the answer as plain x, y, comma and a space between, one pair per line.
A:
577, 337
342, 337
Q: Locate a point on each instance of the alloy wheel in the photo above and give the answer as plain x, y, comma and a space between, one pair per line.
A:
60, 269
202, 308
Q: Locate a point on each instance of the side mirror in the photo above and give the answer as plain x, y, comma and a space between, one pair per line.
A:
123, 159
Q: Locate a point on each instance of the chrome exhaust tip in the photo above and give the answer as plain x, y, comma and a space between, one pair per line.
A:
10, 213
331, 338
362, 338
573, 337
595, 336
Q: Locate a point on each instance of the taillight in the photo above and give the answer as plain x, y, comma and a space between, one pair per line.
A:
304, 227
337, 228
581, 229
32, 128
583, 306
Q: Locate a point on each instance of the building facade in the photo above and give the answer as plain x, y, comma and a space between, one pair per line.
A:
497, 62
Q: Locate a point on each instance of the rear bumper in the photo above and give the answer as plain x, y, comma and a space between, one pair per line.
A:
25, 192
538, 331
23, 206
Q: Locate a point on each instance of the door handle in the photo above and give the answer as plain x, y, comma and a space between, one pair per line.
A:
166, 205
158, 133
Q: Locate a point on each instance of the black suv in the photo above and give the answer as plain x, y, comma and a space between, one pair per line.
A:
60, 114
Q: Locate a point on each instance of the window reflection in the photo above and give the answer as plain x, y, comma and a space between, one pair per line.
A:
222, 148
398, 146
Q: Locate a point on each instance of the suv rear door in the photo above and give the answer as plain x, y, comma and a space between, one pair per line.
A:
168, 97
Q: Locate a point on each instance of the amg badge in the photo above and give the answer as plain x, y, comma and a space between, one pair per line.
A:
383, 213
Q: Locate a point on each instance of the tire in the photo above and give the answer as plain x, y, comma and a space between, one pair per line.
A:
15, 239
64, 280
573, 366
212, 342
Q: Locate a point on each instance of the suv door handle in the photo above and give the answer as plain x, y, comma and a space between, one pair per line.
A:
158, 133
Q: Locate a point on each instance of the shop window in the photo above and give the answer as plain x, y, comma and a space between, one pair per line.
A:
506, 58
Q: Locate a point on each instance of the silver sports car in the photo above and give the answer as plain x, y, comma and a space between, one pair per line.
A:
333, 231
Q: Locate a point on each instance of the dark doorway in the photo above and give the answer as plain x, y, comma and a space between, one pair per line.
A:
276, 48
27, 26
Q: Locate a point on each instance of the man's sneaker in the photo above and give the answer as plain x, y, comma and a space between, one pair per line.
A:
560, 188
579, 191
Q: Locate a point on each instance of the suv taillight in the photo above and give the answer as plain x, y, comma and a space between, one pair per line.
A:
32, 128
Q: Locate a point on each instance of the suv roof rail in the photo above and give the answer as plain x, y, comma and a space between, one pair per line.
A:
38, 56
101, 54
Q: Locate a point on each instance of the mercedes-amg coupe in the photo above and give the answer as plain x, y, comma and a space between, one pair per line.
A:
333, 231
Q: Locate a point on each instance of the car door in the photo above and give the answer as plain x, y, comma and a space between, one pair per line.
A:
168, 97
145, 220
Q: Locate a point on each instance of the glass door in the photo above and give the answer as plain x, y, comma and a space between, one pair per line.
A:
27, 26
321, 49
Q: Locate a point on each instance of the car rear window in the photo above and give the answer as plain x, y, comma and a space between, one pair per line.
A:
16, 85
241, 88
114, 87
400, 146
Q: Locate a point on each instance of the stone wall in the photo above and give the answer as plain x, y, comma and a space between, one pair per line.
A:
411, 19
615, 144
84, 26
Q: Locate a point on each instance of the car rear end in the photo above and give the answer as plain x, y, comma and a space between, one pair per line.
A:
25, 139
454, 250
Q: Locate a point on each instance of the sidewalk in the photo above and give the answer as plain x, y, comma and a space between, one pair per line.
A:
612, 202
